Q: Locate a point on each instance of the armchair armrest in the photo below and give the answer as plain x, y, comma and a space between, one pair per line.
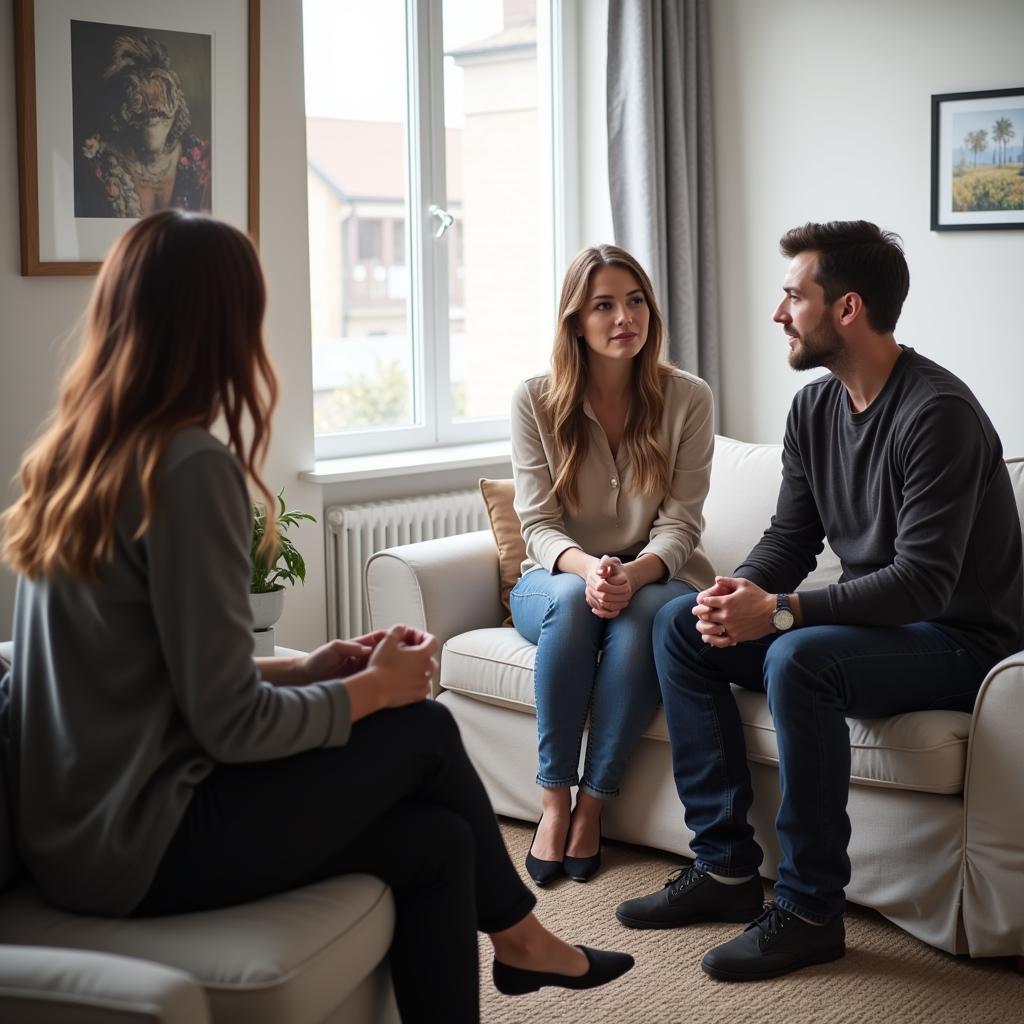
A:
993, 896
42, 985
445, 586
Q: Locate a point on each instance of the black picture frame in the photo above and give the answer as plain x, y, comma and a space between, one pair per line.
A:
977, 180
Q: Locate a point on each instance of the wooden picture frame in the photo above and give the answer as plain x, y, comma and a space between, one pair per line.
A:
67, 229
978, 160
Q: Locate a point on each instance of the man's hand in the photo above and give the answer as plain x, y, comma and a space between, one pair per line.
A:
733, 611
609, 588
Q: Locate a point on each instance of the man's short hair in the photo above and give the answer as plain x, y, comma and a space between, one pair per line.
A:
856, 256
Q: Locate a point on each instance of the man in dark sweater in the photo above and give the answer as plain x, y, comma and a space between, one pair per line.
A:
892, 459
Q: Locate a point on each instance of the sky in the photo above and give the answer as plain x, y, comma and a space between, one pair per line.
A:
355, 56
971, 121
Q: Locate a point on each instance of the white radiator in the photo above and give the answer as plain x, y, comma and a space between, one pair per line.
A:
354, 532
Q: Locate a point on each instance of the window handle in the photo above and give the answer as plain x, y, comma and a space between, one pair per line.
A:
445, 218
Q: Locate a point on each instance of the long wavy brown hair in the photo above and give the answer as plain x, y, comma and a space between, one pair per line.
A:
173, 336
569, 367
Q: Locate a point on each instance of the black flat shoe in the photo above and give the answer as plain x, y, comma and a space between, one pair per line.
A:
582, 869
605, 966
541, 871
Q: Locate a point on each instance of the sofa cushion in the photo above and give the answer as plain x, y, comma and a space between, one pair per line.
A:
745, 481
499, 497
292, 957
925, 751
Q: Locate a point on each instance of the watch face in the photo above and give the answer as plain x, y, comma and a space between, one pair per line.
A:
783, 619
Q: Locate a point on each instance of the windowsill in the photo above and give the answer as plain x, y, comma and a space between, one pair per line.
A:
423, 460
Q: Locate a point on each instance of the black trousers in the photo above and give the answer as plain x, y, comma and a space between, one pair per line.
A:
400, 801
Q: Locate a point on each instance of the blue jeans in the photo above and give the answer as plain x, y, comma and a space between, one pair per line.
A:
814, 678
586, 663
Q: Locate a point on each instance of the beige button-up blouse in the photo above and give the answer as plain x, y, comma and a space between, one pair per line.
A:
612, 518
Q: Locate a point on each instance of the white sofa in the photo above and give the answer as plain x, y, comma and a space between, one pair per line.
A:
935, 796
316, 955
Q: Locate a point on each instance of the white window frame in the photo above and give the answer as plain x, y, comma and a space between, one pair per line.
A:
427, 256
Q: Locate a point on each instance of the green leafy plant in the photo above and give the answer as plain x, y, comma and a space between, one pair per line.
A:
289, 565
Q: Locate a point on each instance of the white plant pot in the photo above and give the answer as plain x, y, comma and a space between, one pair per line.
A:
266, 608
263, 643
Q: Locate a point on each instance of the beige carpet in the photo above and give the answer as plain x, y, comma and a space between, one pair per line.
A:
886, 977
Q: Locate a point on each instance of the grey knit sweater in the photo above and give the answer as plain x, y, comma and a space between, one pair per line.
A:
124, 694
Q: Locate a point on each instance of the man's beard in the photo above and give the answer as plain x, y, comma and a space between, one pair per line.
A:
822, 345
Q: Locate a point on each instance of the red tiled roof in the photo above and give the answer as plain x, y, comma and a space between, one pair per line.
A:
367, 158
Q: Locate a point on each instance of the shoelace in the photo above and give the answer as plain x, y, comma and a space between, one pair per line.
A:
771, 921
683, 877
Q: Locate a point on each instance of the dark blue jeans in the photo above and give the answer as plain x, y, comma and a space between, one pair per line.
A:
815, 678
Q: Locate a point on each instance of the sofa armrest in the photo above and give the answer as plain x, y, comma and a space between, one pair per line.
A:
42, 985
993, 896
445, 586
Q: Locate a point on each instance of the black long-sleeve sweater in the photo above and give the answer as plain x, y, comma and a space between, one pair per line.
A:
914, 498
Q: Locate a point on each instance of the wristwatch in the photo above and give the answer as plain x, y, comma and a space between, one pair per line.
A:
782, 617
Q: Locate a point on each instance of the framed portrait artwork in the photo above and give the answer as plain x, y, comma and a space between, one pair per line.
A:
978, 160
126, 107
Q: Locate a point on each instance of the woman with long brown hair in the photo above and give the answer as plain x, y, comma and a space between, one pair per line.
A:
156, 766
611, 453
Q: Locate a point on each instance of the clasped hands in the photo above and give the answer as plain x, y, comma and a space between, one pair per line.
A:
732, 611
609, 587
402, 657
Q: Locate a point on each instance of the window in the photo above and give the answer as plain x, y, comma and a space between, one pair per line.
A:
430, 217
398, 243
369, 241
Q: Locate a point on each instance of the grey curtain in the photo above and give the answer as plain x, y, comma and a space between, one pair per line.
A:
661, 165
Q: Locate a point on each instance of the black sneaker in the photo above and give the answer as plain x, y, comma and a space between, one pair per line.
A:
776, 943
691, 895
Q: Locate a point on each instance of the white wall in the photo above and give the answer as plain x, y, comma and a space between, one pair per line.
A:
823, 111
283, 249
37, 313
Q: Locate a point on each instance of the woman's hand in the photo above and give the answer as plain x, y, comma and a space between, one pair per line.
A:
609, 587
404, 663
338, 659
398, 672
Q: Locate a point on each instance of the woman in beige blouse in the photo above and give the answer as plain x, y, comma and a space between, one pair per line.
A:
611, 453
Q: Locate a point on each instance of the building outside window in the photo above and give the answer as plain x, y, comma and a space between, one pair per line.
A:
368, 250
424, 322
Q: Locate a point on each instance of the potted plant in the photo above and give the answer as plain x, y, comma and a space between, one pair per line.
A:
269, 574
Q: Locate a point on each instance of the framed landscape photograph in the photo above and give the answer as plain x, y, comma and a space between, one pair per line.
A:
978, 160
126, 107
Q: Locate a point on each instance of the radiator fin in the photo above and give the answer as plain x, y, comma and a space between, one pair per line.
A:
354, 532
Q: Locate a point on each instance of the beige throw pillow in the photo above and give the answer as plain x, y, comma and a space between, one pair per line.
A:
498, 498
